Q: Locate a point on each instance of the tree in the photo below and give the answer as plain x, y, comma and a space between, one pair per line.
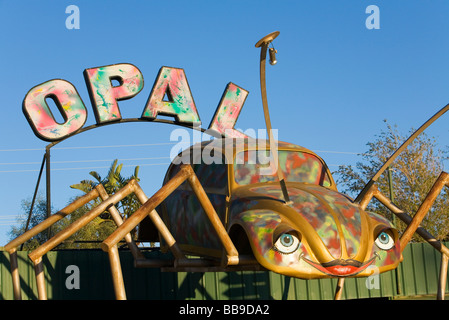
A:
413, 174
38, 215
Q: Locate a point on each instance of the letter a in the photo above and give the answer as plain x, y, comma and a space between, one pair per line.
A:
73, 280
72, 21
373, 21
172, 83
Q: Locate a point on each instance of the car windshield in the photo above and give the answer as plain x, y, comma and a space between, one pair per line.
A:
255, 166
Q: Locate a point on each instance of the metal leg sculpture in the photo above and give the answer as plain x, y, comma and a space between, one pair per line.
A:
36, 255
148, 209
231, 257
123, 232
413, 225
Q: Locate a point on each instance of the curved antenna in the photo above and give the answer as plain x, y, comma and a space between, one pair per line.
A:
399, 150
263, 44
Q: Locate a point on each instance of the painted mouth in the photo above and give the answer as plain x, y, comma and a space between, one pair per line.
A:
341, 267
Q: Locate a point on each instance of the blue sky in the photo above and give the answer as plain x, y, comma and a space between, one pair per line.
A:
334, 84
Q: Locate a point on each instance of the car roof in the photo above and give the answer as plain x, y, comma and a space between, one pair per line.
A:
226, 145
243, 144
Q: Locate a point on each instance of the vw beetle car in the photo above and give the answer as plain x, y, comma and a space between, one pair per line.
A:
321, 234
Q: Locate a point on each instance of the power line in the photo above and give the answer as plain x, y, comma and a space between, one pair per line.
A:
92, 147
338, 152
86, 168
105, 160
78, 161
143, 145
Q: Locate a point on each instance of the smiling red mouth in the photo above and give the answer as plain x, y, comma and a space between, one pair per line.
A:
341, 267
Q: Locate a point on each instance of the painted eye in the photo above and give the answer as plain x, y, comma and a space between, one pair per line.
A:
384, 241
287, 243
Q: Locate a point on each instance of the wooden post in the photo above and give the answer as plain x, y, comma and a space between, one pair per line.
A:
40, 279
51, 220
15, 274
442, 180
232, 253
443, 277
339, 289
117, 276
80, 223
118, 221
12, 246
148, 209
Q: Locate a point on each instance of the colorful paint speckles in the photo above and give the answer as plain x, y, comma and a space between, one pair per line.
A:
171, 96
251, 167
40, 117
228, 110
104, 95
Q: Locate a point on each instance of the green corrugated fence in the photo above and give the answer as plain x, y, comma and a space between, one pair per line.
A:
417, 275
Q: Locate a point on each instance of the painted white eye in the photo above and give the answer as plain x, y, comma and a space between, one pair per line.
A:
287, 243
384, 241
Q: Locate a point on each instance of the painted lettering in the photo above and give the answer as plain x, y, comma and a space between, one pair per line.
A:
228, 110
69, 104
172, 84
104, 95
170, 96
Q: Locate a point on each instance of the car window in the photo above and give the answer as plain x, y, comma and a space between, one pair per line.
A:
255, 166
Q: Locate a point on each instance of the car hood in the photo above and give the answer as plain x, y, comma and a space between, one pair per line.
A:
340, 224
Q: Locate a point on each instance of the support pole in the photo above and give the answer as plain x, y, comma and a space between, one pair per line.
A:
443, 277
15, 274
396, 271
231, 251
119, 221
117, 275
48, 186
40, 279
339, 289
34, 196
442, 180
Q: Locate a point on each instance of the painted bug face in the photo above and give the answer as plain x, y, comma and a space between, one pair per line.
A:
322, 234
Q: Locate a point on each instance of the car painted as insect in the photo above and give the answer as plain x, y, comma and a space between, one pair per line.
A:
320, 234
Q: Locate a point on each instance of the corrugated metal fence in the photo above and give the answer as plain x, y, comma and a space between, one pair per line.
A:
417, 275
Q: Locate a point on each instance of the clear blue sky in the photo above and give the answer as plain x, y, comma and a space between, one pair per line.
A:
334, 84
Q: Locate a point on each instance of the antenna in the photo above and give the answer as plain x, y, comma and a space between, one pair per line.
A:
263, 44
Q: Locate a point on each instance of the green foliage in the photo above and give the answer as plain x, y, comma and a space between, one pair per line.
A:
413, 174
39, 214
102, 226
113, 182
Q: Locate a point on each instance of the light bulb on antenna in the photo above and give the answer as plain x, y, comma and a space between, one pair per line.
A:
272, 52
